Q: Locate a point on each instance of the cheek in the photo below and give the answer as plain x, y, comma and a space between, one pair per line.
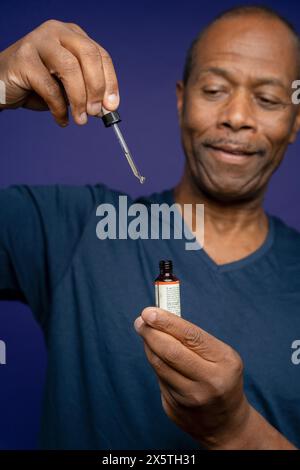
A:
196, 117
277, 130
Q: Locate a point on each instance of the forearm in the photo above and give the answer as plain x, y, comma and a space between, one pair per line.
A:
255, 434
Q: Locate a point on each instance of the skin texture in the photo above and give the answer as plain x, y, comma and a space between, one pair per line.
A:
224, 104
201, 384
57, 65
230, 100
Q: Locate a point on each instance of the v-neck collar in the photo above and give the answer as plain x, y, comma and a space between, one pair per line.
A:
266, 245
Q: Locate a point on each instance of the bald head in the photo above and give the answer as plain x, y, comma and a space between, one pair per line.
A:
238, 17
234, 106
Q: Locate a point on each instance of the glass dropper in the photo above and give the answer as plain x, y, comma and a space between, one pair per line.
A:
111, 118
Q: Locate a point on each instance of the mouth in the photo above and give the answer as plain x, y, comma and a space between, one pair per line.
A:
232, 154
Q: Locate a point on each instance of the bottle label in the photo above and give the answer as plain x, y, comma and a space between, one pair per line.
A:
167, 296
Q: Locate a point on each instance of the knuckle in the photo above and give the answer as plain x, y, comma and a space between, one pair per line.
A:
155, 361
217, 387
89, 49
25, 51
51, 89
48, 29
73, 25
196, 400
165, 323
96, 91
47, 26
192, 399
105, 56
192, 337
172, 355
51, 22
238, 367
44, 29
69, 63
234, 361
108, 64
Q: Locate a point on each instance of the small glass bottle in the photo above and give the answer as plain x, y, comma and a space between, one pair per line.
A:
167, 288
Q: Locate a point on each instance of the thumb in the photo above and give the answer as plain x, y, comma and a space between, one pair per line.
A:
190, 335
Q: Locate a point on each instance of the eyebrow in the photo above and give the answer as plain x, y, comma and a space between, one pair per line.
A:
259, 81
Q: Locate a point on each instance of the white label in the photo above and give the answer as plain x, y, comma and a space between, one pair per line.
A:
167, 296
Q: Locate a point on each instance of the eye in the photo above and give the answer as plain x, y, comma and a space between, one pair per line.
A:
267, 102
213, 92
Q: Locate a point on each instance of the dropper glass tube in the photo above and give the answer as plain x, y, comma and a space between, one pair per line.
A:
112, 118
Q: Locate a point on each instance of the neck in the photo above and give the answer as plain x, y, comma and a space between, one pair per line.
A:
231, 231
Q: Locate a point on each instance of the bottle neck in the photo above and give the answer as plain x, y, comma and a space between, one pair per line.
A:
164, 272
166, 267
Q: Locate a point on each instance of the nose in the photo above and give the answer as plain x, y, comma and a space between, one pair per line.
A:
237, 113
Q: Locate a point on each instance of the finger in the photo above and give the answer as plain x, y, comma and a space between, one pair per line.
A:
173, 385
172, 352
193, 337
89, 57
180, 384
66, 67
38, 78
179, 414
77, 29
111, 98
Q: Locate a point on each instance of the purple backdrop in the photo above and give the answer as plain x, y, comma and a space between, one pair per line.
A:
147, 41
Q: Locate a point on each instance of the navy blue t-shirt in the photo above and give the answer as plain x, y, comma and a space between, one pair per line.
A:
101, 392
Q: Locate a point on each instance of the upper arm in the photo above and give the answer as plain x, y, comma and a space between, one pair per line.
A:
40, 227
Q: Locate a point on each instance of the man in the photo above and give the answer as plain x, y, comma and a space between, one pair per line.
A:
223, 376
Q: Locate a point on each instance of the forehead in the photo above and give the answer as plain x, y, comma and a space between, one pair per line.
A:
250, 44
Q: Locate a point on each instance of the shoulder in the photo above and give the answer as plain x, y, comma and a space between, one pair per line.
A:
286, 239
57, 197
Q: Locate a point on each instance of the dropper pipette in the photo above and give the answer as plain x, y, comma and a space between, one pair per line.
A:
111, 118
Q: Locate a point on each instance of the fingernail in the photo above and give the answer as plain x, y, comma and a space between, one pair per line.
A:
150, 315
112, 98
138, 323
83, 118
94, 108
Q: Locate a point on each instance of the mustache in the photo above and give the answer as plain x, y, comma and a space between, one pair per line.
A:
245, 147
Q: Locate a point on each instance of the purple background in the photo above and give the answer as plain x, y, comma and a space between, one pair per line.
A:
147, 41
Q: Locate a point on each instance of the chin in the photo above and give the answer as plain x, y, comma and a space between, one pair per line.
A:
226, 193
224, 196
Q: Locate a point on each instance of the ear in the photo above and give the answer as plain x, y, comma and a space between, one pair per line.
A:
296, 126
180, 97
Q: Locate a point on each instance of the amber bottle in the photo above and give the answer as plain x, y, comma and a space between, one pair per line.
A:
167, 288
